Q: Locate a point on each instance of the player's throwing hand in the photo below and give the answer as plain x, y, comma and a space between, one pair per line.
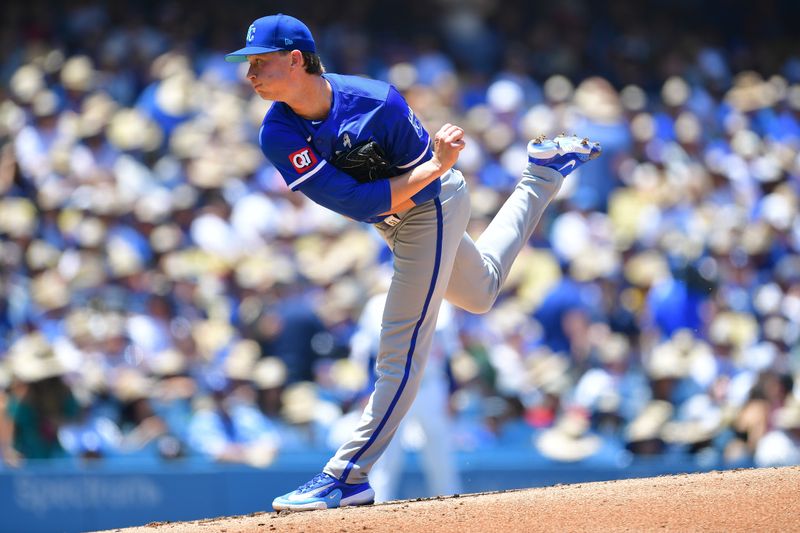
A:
447, 143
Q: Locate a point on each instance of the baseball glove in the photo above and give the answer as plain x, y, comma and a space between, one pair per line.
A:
365, 162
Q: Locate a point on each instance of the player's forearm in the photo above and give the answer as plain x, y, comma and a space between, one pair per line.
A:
404, 186
405, 206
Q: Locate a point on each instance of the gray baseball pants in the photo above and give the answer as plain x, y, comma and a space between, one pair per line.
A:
433, 259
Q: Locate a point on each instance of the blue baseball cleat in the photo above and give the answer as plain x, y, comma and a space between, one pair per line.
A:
562, 154
324, 492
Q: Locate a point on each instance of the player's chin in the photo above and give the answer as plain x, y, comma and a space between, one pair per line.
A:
261, 92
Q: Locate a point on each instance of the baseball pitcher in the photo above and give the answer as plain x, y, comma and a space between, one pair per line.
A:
354, 146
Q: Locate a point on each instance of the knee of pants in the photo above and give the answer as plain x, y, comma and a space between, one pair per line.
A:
477, 303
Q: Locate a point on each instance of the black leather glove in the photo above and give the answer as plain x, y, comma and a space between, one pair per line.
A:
366, 162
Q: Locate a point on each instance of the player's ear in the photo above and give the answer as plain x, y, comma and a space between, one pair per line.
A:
297, 58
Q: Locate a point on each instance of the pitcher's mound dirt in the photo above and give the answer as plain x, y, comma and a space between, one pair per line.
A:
742, 500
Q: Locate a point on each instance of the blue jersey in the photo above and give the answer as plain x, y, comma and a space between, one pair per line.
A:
362, 110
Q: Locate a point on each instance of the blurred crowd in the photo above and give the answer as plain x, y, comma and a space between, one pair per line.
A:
165, 296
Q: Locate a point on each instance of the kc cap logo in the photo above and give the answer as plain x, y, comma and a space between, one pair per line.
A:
273, 33
302, 160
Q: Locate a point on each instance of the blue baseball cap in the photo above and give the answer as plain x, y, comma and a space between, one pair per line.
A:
273, 33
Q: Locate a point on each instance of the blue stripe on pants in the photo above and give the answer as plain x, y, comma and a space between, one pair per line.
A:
409, 357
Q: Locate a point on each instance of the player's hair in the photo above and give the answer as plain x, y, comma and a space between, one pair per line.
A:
311, 61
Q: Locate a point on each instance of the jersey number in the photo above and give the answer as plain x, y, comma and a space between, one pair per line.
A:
303, 160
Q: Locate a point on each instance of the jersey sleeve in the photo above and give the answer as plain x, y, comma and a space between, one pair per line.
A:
291, 154
407, 143
306, 171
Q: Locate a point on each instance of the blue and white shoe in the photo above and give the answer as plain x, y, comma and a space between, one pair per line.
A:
562, 154
324, 492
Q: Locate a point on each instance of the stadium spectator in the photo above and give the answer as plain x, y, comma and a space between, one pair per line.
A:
40, 402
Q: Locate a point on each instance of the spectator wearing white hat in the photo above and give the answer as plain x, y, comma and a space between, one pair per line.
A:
40, 402
781, 446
